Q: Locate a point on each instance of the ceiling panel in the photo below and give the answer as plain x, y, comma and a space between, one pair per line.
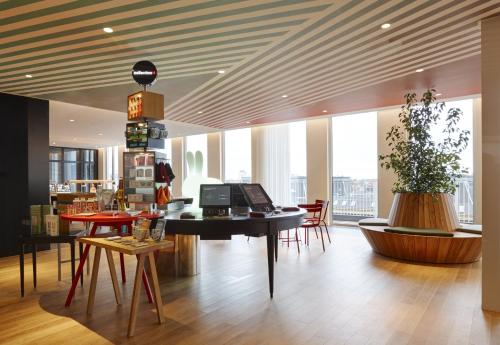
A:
316, 52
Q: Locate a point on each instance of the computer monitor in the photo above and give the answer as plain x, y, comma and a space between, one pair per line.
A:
257, 197
215, 196
237, 197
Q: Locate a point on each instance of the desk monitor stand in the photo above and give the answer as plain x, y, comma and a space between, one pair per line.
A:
215, 199
215, 212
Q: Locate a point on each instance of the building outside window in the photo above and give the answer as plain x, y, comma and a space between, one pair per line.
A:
354, 166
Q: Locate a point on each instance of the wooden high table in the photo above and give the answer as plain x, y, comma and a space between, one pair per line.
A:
142, 253
104, 219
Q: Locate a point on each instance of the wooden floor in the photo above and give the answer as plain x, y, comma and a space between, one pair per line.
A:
347, 295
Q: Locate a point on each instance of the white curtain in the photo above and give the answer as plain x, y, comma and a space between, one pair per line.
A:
272, 165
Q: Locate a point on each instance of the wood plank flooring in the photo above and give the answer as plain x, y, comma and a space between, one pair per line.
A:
347, 295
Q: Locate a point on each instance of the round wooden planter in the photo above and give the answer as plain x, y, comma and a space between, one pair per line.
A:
423, 210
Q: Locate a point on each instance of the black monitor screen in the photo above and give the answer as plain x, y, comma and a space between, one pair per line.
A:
237, 197
215, 195
256, 194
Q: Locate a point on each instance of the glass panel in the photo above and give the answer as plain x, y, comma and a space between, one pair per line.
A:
92, 155
85, 155
70, 171
464, 196
55, 175
354, 166
55, 153
71, 154
238, 156
298, 163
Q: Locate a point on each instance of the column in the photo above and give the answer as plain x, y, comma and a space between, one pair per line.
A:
478, 160
24, 170
318, 160
214, 155
386, 178
490, 89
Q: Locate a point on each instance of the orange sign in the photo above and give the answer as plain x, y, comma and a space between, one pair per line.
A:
145, 105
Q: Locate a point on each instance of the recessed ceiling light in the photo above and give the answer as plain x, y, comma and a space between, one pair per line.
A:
284, 96
325, 111
247, 122
385, 26
99, 133
53, 143
107, 30
28, 76
200, 112
419, 70
71, 120
221, 71
438, 94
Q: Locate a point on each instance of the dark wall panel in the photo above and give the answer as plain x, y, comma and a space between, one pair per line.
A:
23, 164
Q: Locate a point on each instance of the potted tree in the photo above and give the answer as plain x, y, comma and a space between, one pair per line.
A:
426, 170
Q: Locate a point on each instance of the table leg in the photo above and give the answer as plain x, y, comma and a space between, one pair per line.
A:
79, 271
72, 249
147, 287
59, 261
122, 267
112, 272
21, 268
276, 248
33, 253
135, 296
93, 280
156, 287
270, 262
80, 246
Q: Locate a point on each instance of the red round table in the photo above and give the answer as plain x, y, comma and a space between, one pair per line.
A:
115, 220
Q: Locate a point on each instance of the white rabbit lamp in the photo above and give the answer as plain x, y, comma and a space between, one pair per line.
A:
191, 185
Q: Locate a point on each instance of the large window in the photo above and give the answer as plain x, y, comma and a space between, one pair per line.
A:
238, 155
464, 196
196, 155
354, 166
67, 164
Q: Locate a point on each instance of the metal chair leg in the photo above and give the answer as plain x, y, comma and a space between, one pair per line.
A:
327, 233
297, 239
322, 241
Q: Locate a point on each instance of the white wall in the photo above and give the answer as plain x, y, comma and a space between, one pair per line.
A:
214, 155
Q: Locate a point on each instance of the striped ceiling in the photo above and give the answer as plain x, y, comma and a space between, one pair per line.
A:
309, 50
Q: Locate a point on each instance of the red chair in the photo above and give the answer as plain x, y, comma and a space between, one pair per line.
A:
313, 222
325, 205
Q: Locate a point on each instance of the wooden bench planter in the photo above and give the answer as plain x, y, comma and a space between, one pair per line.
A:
460, 249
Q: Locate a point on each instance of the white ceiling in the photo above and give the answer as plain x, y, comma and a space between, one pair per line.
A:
90, 122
